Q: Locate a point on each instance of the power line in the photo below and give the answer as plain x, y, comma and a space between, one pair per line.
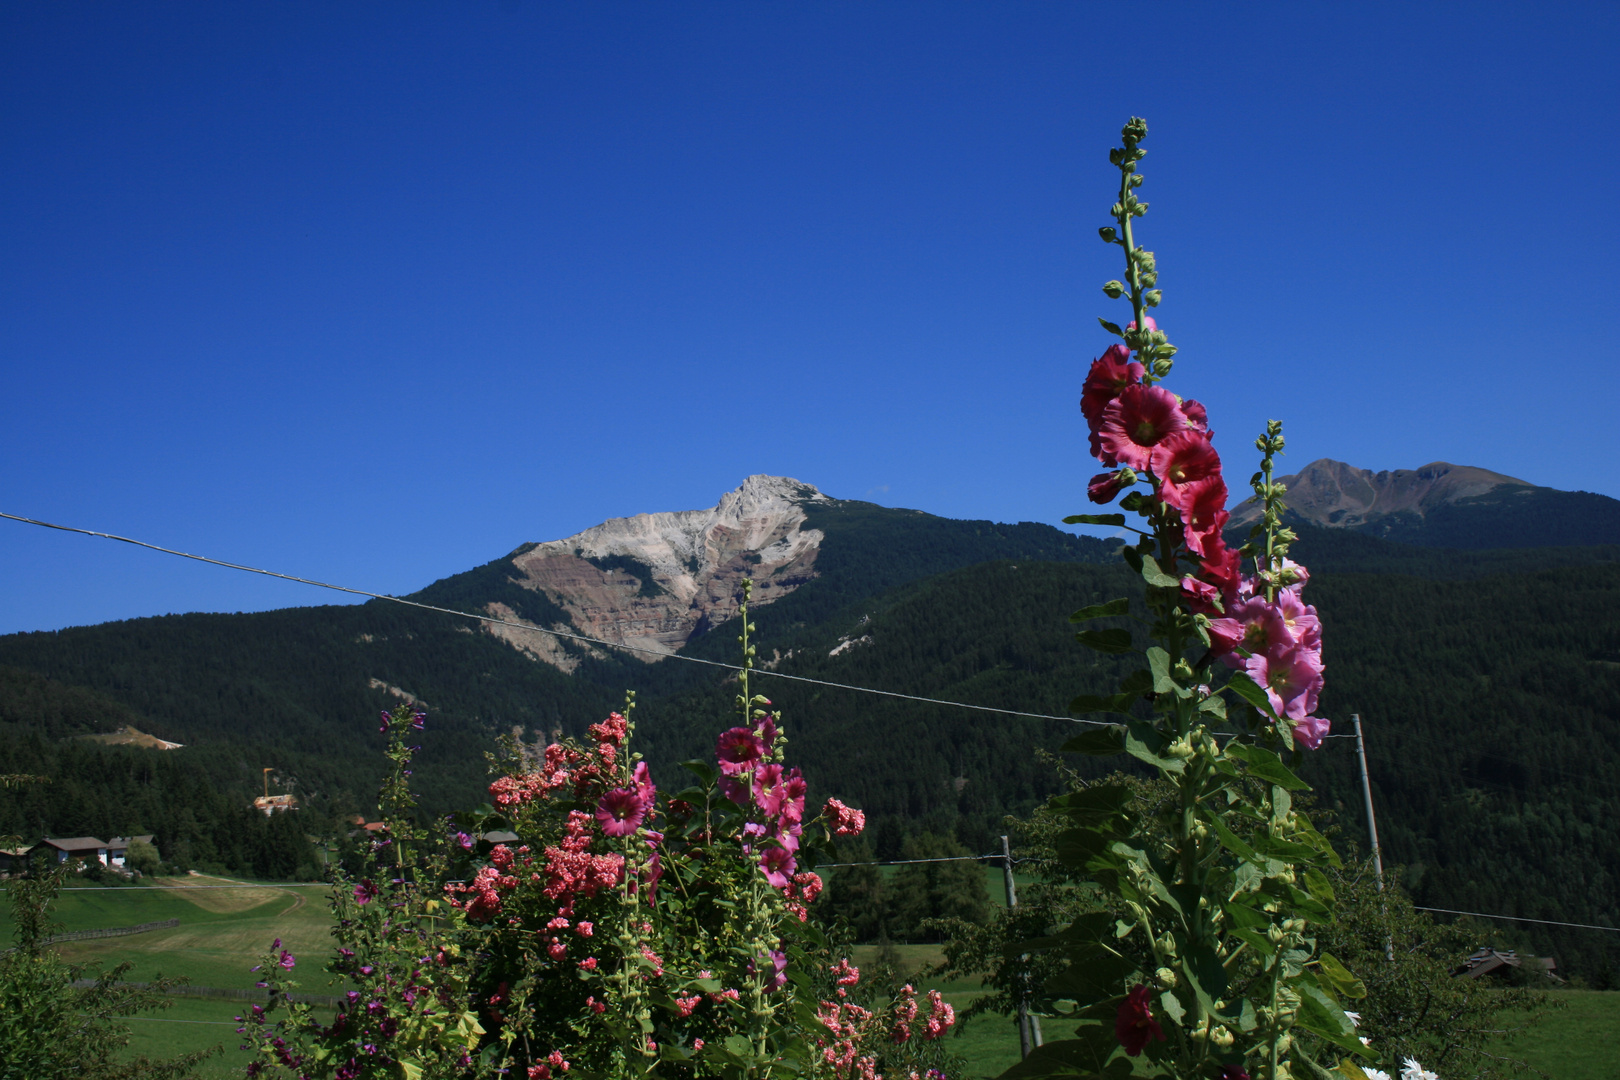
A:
543, 630
1519, 918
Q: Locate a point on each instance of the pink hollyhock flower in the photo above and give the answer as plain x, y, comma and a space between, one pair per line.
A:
775, 962
778, 864
1135, 422
1292, 680
612, 730
1134, 1026
365, 892
1252, 626
844, 820
1300, 575
1181, 461
1147, 320
1104, 486
1310, 731
621, 811
1300, 618
738, 749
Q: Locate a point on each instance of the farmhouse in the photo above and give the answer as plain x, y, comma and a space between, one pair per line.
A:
118, 847
82, 848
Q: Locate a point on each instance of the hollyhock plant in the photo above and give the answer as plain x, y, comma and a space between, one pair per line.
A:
1204, 957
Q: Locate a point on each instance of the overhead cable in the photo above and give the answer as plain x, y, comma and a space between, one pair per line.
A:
542, 630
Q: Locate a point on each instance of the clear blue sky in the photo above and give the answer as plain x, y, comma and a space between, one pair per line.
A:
374, 293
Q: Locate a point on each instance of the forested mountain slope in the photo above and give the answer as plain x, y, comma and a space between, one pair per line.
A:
1489, 682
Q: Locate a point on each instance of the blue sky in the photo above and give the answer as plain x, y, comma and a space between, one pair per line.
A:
374, 293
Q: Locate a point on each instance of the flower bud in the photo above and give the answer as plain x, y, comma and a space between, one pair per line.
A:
1166, 977
1107, 233
1153, 296
1222, 1038
1114, 290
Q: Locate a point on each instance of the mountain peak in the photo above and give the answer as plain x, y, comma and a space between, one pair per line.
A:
655, 580
1338, 495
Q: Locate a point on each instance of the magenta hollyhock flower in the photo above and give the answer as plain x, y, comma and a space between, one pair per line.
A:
1135, 422
1204, 517
1134, 1025
779, 865
364, 893
1291, 679
766, 729
1110, 374
768, 791
738, 749
1310, 731
737, 790
1104, 486
1197, 416
793, 792
621, 811
776, 964
643, 781
1147, 320
1181, 461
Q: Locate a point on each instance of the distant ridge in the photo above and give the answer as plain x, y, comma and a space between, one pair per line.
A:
1443, 505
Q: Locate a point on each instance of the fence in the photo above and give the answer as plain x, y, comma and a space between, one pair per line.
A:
112, 931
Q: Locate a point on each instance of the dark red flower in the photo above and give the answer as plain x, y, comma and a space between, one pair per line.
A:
1135, 1026
1103, 487
1232, 1072
738, 749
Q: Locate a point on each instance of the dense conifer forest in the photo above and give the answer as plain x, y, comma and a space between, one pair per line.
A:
1488, 681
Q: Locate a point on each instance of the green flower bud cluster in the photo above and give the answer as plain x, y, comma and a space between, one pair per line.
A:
1151, 346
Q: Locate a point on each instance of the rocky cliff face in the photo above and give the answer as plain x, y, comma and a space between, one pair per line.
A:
1337, 495
654, 580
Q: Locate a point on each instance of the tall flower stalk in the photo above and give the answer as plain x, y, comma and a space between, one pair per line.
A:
1204, 961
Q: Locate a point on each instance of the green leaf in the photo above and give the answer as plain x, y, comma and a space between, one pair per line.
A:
1317, 884
1230, 840
1250, 691
1098, 802
1154, 576
1112, 328
1338, 976
1215, 705
1143, 743
1116, 640
1159, 664
1321, 1016
1173, 1007
1072, 1059
1095, 519
1099, 742
1132, 557
1137, 682
1244, 917
1265, 765
1122, 606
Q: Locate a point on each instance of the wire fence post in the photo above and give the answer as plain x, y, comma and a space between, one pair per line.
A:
1029, 1027
1372, 824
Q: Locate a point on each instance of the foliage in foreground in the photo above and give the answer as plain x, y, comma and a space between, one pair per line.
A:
623, 932
51, 1028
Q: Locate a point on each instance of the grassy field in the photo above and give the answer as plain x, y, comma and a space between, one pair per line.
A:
223, 931
221, 934
1580, 1041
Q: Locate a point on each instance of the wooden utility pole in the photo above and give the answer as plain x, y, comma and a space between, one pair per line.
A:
267, 773
1029, 1027
1372, 822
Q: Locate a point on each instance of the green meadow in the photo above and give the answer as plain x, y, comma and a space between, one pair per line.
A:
223, 932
